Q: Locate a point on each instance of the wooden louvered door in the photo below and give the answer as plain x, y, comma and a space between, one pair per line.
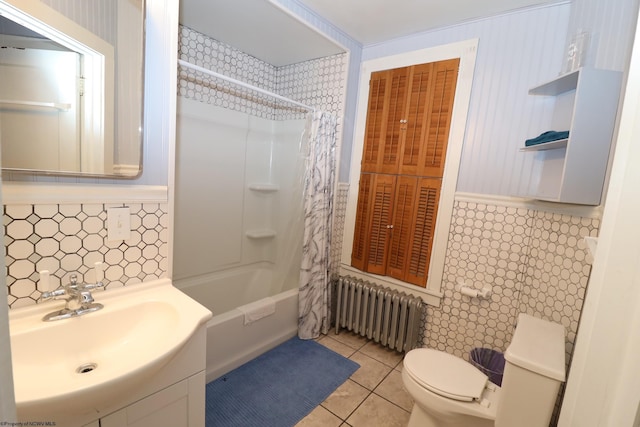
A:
429, 108
402, 166
382, 196
402, 226
360, 234
379, 89
425, 210
417, 118
373, 222
414, 220
385, 124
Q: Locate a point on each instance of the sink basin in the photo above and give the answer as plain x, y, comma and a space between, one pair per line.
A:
88, 362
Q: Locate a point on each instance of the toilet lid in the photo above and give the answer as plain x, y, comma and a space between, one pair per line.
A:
445, 374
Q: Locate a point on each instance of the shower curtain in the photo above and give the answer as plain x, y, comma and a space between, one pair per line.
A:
314, 294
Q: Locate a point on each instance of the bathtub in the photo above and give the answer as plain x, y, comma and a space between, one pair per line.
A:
231, 343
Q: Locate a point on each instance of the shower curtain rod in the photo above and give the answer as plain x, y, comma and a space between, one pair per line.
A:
241, 83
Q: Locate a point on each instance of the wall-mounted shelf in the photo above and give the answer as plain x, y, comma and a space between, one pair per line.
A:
585, 103
561, 84
264, 187
560, 143
30, 105
264, 233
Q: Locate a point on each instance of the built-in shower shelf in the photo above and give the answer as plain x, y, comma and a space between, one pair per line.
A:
264, 187
261, 233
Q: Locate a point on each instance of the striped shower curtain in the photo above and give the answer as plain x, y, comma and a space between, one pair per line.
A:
314, 294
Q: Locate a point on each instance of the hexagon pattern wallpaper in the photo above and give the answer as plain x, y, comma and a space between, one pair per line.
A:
70, 238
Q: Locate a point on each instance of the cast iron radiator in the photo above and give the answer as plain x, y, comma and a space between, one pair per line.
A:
385, 316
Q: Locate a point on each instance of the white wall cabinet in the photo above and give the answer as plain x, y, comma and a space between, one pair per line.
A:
585, 103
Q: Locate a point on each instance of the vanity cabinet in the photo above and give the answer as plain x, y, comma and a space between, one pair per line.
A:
179, 405
585, 103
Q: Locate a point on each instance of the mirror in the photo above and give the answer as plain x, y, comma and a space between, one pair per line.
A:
71, 86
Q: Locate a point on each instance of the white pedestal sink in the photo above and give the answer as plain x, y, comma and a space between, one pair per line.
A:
91, 362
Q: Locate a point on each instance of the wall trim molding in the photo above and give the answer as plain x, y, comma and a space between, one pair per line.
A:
59, 194
538, 205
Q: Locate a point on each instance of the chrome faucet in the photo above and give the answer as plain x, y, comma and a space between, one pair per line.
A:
78, 299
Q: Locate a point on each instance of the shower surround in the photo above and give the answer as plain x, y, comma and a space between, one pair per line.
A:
238, 146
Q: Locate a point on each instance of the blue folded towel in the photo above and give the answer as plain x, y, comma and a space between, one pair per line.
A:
548, 136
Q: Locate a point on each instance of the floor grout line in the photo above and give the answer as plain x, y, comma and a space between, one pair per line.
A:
343, 421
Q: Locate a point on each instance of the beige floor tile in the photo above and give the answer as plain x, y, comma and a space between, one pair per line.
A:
370, 373
345, 399
337, 346
320, 417
377, 412
349, 338
382, 354
392, 389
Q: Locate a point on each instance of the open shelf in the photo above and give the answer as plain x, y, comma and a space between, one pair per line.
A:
560, 143
557, 86
573, 170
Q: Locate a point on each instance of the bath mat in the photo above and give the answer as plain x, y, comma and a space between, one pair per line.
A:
278, 388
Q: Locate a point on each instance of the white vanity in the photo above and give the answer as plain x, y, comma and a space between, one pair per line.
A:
138, 361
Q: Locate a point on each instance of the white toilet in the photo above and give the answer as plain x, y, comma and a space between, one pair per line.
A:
450, 392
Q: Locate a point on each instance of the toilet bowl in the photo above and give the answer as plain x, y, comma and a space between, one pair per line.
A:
450, 392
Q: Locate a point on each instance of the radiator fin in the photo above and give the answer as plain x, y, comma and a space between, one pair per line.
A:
383, 315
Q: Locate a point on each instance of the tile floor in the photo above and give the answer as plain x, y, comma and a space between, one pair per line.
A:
373, 396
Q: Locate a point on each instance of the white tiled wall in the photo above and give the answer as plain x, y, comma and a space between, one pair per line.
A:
535, 261
70, 238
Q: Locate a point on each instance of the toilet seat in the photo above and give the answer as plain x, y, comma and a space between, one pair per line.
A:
445, 374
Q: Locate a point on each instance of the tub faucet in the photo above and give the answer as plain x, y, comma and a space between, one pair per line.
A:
78, 299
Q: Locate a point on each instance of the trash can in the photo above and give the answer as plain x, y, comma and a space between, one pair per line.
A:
490, 362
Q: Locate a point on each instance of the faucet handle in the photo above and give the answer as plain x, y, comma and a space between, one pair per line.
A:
52, 294
90, 286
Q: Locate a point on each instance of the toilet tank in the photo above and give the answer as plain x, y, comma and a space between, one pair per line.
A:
534, 370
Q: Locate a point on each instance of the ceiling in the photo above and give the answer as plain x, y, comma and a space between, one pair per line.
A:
265, 31
375, 21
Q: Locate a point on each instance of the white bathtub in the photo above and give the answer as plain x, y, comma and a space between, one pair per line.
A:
230, 342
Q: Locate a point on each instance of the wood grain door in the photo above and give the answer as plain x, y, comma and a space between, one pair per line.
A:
437, 120
386, 122
373, 222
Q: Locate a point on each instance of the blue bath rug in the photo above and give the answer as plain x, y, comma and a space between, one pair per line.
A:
278, 388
